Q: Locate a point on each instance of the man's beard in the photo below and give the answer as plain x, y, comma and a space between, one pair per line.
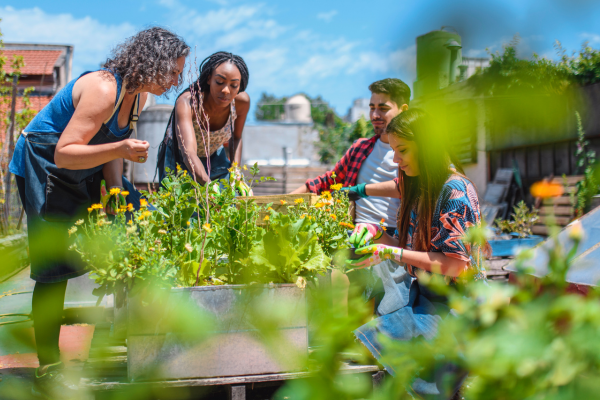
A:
379, 129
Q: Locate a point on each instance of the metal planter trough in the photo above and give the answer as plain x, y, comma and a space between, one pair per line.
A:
212, 331
509, 247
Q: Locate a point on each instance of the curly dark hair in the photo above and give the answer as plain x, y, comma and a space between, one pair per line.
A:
148, 57
211, 62
398, 91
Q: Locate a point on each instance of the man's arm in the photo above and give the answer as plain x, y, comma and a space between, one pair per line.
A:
383, 189
301, 189
323, 182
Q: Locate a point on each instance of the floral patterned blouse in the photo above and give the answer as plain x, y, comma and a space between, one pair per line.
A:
217, 138
457, 209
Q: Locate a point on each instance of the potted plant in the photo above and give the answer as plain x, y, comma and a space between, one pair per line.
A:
515, 233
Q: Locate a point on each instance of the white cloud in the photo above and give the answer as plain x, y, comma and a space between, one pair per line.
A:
592, 38
327, 16
282, 59
92, 39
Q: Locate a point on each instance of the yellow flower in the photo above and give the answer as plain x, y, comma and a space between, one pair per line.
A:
303, 216
234, 165
115, 191
97, 206
326, 194
146, 213
129, 207
337, 186
333, 175
188, 223
266, 218
245, 168
143, 203
125, 193
283, 202
141, 217
270, 209
90, 209
328, 210
184, 172
338, 201
130, 222
178, 168
333, 217
207, 228
319, 205
299, 201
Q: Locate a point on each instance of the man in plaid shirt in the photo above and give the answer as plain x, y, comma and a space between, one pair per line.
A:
367, 162
389, 97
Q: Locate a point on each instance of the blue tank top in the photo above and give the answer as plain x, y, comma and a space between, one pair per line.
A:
55, 117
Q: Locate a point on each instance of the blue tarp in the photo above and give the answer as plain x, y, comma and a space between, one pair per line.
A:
586, 265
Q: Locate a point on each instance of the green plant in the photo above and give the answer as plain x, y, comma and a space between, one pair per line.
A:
522, 221
184, 242
586, 160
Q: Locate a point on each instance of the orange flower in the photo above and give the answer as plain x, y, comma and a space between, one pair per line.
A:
143, 203
283, 202
319, 205
333, 217
546, 189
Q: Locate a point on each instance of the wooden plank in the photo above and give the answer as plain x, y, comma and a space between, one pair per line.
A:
562, 200
569, 180
562, 221
540, 230
98, 384
557, 210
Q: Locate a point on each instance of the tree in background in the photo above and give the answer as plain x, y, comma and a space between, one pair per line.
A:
335, 135
13, 121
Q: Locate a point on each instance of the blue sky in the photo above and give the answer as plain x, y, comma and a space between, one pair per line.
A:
328, 48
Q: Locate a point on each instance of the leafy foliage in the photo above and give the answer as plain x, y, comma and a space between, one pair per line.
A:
335, 141
175, 240
522, 220
586, 163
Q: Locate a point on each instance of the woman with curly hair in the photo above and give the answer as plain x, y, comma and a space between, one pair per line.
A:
438, 205
79, 139
208, 115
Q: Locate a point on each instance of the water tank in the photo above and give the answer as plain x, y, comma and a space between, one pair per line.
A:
438, 57
297, 109
151, 127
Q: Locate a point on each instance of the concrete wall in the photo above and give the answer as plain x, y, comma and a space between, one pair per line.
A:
265, 141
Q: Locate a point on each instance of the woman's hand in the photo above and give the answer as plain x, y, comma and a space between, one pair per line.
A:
363, 233
134, 150
375, 254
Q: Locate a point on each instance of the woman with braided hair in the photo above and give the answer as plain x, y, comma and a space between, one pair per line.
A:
208, 117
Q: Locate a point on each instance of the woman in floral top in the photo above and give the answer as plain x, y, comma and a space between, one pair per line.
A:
438, 205
208, 121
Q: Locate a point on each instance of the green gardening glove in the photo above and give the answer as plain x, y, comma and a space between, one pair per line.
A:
356, 192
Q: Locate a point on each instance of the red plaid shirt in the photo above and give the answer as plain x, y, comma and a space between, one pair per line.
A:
346, 170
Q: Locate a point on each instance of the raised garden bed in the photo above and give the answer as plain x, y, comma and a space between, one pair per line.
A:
235, 341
